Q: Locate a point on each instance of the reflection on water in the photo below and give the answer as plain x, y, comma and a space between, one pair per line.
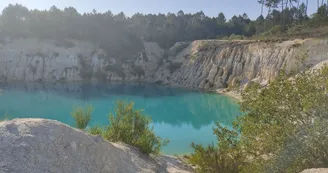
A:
183, 116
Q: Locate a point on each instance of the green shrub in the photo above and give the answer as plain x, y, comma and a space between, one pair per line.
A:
132, 127
82, 116
283, 129
235, 83
224, 38
193, 57
283, 116
277, 29
205, 46
97, 130
236, 37
226, 157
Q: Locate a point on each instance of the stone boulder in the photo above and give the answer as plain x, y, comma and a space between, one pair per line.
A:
39, 145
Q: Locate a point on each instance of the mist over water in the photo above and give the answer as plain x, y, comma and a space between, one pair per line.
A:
180, 115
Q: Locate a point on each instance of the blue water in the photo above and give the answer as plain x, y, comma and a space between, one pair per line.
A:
180, 115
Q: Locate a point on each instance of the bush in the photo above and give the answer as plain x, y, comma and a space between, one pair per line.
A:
82, 116
236, 37
283, 130
223, 38
193, 57
277, 29
235, 83
226, 157
96, 130
132, 127
205, 46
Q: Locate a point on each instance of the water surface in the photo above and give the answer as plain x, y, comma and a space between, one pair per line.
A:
180, 115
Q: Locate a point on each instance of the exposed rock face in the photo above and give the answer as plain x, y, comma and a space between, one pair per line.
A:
203, 64
322, 170
38, 146
47, 60
216, 64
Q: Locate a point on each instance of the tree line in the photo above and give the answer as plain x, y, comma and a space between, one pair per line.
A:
118, 32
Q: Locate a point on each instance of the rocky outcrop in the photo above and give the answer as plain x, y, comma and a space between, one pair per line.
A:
217, 64
322, 170
206, 64
39, 145
70, 60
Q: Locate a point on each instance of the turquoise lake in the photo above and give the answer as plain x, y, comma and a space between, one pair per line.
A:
180, 115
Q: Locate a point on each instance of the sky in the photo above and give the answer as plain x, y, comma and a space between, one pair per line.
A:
129, 7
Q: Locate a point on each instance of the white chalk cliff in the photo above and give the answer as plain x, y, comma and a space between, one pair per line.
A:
207, 64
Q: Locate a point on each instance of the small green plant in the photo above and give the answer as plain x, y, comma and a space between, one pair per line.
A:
223, 38
236, 37
205, 46
82, 116
225, 157
97, 131
235, 83
276, 30
132, 127
193, 57
125, 125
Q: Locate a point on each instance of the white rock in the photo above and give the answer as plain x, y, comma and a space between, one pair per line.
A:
212, 68
73, 151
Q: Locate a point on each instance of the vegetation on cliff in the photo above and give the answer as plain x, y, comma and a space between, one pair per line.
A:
283, 129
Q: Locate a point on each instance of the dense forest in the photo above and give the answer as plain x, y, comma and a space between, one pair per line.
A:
117, 33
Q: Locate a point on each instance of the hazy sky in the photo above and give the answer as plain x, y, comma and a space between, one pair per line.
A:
129, 7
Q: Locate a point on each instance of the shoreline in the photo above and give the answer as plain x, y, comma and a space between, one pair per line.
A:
223, 91
232, 94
